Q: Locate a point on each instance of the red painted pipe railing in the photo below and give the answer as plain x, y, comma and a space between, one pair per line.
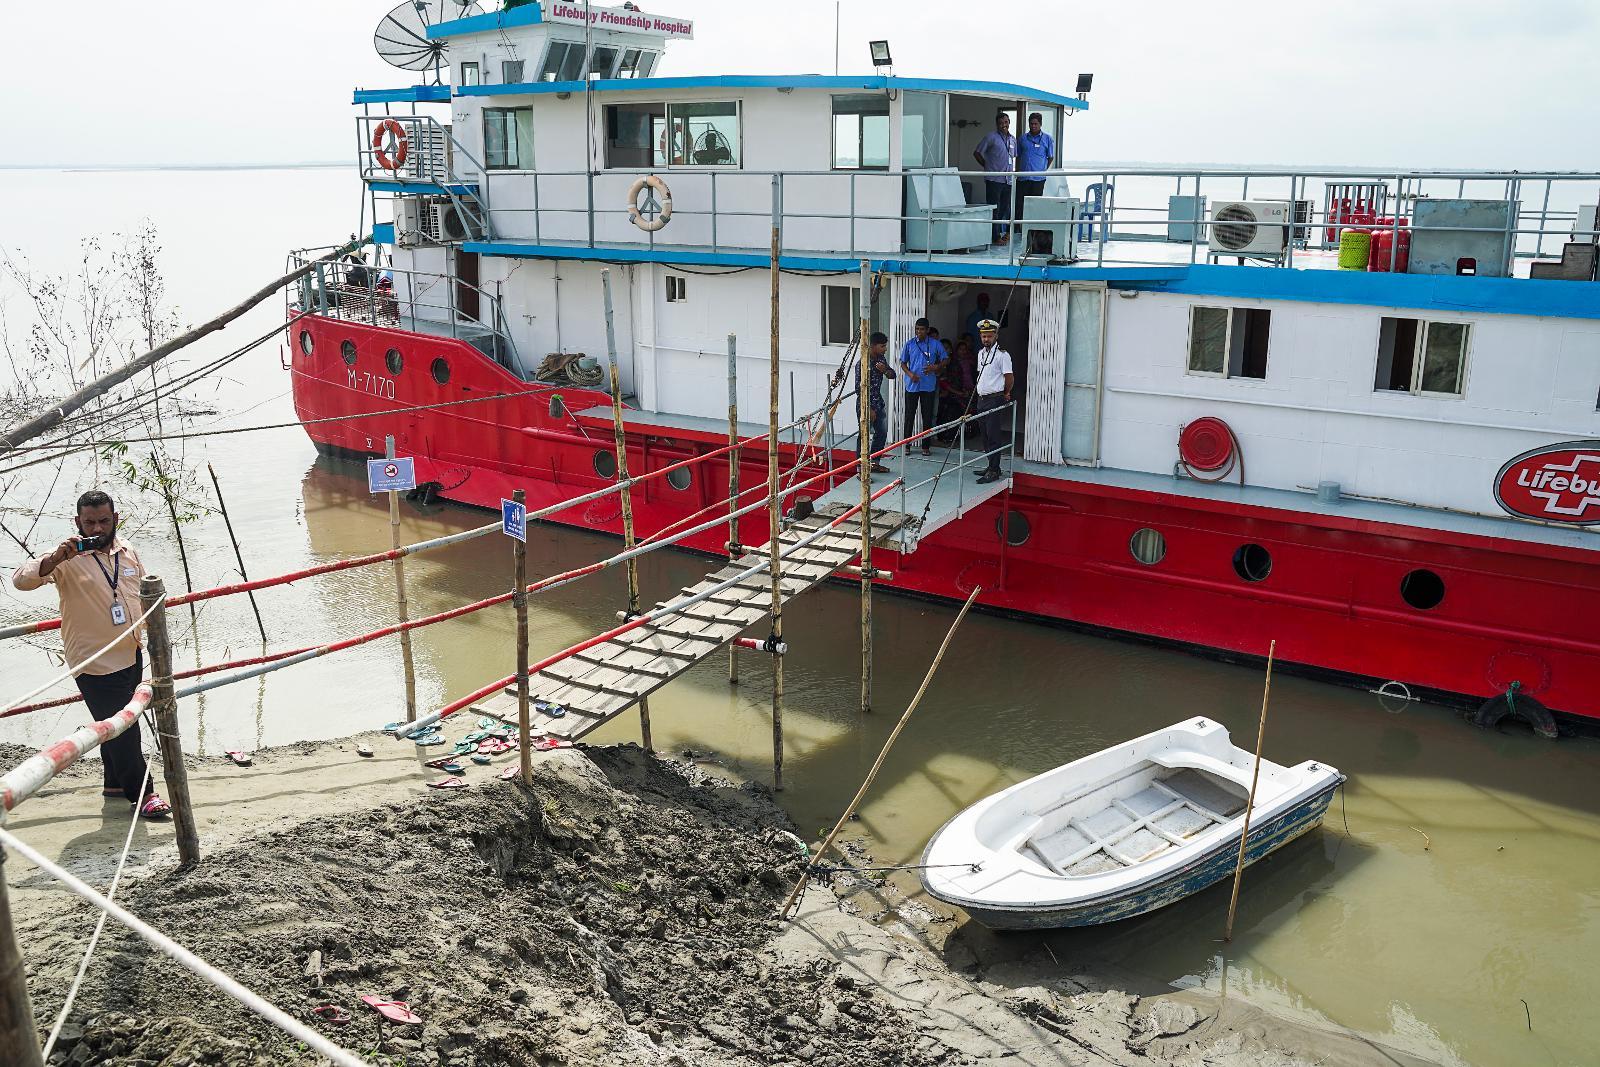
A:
28, 777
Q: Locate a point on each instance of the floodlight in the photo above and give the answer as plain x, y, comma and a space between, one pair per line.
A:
880, 54
1085, 82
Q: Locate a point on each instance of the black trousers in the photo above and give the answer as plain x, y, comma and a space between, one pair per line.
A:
123, 757
928, 404
999, 194
993, 426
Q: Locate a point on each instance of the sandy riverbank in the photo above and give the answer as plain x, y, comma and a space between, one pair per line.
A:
620, 912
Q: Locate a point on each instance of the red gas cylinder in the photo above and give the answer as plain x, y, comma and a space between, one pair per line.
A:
1389, 243
1337, 210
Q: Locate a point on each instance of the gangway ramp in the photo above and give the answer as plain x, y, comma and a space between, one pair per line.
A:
599, 683
937, 491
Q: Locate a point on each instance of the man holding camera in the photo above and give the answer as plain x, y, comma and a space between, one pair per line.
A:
96, 575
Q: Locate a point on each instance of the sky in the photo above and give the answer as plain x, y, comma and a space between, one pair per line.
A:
1414, 83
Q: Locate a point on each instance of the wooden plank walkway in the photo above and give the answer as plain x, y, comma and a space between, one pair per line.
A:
600, 683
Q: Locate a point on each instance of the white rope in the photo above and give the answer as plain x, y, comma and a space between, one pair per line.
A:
72, 672
100, 923
205, 971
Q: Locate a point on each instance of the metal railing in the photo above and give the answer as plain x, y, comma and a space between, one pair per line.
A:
398, 298
854, 213
431, 157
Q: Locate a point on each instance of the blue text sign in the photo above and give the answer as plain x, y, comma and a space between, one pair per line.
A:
514, 519
390, 475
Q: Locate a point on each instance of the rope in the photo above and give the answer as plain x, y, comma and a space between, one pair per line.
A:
73, 670
188, 960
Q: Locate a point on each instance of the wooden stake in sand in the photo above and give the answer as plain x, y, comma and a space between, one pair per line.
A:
865, 474
734, 456
775, 505
1255, 777
164, 706
222, 505
805, 876
519, 599
19, 1040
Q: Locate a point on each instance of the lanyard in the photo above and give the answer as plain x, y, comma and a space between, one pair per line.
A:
114, 577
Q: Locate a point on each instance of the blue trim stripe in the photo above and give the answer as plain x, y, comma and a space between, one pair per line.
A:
423, 188
529, 15
411, 94
1005, 90
1446, 294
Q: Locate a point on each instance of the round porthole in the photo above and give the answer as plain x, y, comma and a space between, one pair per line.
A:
605, 464
1148, 546
1422, 589
306, 343
1252, 563
557, 407
1017, 528
441, 370
680, 478
394, 361
347, 349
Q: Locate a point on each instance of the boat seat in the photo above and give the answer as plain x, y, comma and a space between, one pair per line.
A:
938, 217
1207, 791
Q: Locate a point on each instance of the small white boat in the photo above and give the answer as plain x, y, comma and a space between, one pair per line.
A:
1122, 832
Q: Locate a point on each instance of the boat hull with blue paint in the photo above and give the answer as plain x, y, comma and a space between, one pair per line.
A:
1122, 832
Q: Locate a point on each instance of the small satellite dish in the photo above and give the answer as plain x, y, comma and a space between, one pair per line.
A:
402, 37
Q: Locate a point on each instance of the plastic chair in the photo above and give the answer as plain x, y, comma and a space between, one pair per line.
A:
1097, 202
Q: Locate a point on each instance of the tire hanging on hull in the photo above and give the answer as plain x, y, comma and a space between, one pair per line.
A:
1517, 706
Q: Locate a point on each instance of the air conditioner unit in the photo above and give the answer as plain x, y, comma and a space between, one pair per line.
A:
452, 224
415, 222
1249, 227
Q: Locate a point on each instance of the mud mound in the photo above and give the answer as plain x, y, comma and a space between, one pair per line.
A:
616, 913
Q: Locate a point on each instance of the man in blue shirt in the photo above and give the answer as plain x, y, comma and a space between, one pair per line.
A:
997, 156
922, 359
1036, 152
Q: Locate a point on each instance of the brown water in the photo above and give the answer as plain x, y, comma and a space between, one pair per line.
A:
1432, 949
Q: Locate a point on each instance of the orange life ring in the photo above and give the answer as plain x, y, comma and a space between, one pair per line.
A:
380, 149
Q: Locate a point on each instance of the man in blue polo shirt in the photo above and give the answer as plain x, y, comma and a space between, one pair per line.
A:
922, 358
997, 157
1036, 151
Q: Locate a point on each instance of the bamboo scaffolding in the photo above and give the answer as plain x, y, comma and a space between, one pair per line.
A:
734, 548
865, 473
1250, 805
519, 599
402, 611
775, 504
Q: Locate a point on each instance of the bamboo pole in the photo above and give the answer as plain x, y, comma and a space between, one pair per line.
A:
519, 599
1255, 777
164, 706
620, 437
19, 1040
734, 548
402, 611
927, 679
222, 505
866, 463
775, 503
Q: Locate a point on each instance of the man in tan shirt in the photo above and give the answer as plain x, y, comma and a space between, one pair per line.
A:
97, 575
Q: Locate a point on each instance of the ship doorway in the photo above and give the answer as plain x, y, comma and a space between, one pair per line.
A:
955, 309
466, 271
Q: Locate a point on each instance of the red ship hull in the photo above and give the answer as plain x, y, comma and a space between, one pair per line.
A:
1512, 611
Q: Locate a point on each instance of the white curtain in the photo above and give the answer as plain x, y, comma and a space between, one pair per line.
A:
908, 302
1047, 366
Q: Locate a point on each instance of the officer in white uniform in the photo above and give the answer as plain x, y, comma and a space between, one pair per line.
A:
995, 379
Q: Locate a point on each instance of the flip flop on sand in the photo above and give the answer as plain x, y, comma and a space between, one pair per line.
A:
480, 759
465, 748
443, 763
154, 807
509, 773
395, 1011
445, 783
486, 723
545, 744
239, 758
393, 727
331, 1013
425, 740
364, 751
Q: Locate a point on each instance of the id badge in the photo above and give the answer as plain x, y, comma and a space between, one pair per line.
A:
119, 615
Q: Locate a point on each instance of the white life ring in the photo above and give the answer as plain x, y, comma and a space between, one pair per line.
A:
663, 203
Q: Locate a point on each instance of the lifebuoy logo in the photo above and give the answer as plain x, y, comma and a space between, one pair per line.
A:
1555, 483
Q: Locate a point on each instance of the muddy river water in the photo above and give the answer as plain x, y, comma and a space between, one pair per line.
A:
1457, 880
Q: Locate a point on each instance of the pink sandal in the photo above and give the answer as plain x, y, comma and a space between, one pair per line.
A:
396, 1011
154, 807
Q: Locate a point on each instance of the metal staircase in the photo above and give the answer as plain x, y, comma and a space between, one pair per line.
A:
428, 169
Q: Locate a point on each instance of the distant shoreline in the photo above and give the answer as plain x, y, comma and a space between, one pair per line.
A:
174, 166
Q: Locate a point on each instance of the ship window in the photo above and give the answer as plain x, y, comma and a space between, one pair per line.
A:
605, 61
1017, 528
1148, 546
681, 478
841, 314
347, 349
508, 138
441, 370
1229, 342
469, 74
1415, 356
511, 71
922, 130
697, 134
677, 289
1252, 563
394, 361
1422, 589
562, 62
861, 132
605, 464
306, 342
636, 63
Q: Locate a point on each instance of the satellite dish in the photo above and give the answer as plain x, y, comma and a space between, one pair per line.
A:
402, 37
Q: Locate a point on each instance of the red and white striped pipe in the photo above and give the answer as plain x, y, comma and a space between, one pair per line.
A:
28, 777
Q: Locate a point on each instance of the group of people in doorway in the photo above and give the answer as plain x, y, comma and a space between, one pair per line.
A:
944, 380
1007, 159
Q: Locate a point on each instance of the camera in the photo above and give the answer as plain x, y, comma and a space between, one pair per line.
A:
87, 544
